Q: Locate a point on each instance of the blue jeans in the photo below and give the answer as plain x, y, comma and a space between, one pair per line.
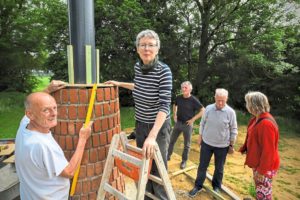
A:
205, 155
187, 133
163, 139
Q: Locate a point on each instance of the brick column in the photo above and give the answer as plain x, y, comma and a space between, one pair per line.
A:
72, 103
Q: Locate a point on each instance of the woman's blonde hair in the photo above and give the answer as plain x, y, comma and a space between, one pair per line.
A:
257, 103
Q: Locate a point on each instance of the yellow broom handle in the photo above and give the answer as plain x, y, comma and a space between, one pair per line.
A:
87, 121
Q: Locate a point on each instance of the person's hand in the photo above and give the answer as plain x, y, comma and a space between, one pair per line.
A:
149, 146
85, 132
54, 86
115, 83
175, 118
199, 139
231, 149
190, 122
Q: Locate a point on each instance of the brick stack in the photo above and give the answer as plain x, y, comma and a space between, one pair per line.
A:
73, 104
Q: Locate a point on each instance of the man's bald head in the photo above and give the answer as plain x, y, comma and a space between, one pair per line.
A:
41, 109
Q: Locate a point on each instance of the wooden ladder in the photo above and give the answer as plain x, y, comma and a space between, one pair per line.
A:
143, 166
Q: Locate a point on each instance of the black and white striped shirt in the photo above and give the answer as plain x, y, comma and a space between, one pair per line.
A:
152, 92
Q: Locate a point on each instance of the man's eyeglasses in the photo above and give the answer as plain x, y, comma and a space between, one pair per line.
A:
150, 46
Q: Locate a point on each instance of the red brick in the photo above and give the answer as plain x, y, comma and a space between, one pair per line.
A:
100, 94
112, 107
82, 172
56, 138
88, 143
90, 170
78, 126
83, 98
84, 197
69, 143
62, 112
95, 139
119, 186
85, 158
97, 126
107, 94
95, 183
71, 128
109, 136
75, 141
98, 166
114, 184
115, 120
98, 110
106, 150
86, 186
65, 95
63, 128
106, 109
57, 96
113, 93
72, 112
93, 155
104, 124
111, 122
76, 197
115, 173
62, 142
101, 153
82, 110
103, 137
92, 195
117, 106
78, 188
57, 128
73, 95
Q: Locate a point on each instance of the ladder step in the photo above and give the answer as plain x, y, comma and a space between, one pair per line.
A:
148, 194
127, 157
156, 179
115, 192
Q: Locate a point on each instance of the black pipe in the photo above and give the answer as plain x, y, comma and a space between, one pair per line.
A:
82, 32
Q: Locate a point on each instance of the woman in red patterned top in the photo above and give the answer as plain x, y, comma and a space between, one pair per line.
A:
261, 144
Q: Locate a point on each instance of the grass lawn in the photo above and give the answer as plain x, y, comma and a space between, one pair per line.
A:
12, 110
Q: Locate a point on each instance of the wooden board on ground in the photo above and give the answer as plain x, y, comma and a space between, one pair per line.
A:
6, 149
11, 159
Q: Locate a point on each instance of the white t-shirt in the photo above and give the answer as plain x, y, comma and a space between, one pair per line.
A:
39, 161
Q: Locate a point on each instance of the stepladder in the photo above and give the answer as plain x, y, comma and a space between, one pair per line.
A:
131, 162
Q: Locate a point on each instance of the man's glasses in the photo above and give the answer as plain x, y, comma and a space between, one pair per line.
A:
150, 46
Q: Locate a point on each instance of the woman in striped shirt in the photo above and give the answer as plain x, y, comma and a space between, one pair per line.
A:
152, 97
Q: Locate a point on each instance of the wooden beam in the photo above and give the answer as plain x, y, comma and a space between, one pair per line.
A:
182, 171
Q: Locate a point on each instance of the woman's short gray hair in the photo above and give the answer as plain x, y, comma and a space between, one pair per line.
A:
221, 92
147, 33
257, 102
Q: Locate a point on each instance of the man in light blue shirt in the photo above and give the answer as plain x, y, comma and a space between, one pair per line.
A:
218, 131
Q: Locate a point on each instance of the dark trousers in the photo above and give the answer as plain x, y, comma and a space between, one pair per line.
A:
205, 155
187, 133
163, 139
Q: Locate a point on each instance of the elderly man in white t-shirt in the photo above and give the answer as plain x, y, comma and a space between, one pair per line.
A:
42, 168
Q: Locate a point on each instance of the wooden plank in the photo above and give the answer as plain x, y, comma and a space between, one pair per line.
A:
88, 63
7, 149
210, 191
11, 159
115, 192
163, 173
108, 166
98, 65
70, 64
224, 188
148, 194
143, 179
127, 157
156, 179
182, 170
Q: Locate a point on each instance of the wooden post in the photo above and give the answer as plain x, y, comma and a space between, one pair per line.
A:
70, 64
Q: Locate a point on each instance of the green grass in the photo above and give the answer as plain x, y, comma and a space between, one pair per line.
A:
127, 117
